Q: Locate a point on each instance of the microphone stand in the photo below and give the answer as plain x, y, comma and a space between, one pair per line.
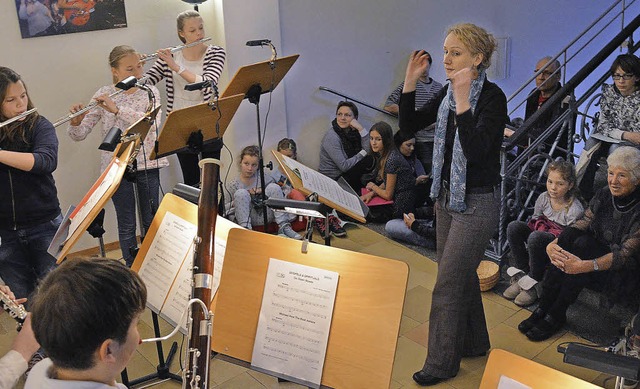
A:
253, 95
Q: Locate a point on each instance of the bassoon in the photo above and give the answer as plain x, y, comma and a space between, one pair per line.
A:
200, 319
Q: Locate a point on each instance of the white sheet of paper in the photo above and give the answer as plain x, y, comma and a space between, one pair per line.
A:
509, 383
605, 138
94, 198
295, 319
180, 292
166, 255
325, 187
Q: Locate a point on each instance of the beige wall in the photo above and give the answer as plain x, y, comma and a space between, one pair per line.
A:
65, 69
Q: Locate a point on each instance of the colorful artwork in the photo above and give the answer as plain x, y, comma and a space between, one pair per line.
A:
53, 17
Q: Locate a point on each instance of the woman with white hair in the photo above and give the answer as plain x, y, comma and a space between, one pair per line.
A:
601, 248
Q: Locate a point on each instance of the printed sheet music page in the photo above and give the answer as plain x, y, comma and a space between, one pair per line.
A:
295, 319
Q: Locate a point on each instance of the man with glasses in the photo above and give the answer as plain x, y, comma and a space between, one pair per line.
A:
547, 84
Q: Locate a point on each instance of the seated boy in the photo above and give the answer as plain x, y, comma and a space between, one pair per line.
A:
85, 316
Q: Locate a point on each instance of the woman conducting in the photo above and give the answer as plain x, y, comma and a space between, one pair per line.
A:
600, 249
470, 114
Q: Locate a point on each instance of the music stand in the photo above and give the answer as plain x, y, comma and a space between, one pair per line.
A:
252, 81
361, 347
122, 155
211, 118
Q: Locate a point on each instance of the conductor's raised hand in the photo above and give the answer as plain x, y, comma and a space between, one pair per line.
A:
418, 62
461, 86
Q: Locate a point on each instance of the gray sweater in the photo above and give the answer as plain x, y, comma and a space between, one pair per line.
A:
333, 159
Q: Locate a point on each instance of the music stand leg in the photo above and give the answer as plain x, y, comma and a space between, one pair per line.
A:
254, 97
162, 370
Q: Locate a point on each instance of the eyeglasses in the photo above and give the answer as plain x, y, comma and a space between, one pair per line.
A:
626, 76
546, 73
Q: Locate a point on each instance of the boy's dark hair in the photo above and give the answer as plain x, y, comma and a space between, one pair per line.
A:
350, 105
81, 304
629, 63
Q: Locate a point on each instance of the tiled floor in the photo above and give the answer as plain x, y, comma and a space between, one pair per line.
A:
502, 317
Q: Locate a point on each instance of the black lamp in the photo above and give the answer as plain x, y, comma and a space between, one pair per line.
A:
195, 3
111, 140
602, 361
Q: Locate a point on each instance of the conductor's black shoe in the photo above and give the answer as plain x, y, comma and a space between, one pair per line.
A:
527, 324
424, 379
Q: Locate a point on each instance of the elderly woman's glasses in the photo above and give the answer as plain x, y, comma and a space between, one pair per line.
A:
626, 76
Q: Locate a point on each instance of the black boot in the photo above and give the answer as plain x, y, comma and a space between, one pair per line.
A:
527, 324
544, 329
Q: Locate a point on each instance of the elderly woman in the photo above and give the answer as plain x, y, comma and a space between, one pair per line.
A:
470, 114
619, 119
343, 152
601, 248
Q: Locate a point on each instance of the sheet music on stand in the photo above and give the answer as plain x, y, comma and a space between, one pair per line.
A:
166, 256
295, 320
325, 186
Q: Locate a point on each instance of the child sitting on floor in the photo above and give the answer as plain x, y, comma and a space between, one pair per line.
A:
289, 148
246, 196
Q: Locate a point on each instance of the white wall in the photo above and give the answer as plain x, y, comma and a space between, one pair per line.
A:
360, 47
355, 46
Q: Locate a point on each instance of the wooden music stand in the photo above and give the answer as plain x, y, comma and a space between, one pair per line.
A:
527, 372
296, 182
122, 156
366, 317
252, 81
259, 73
174, 136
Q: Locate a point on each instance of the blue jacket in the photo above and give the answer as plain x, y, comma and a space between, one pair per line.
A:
30, 198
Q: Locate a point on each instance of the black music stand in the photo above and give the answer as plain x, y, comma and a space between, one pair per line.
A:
252, 81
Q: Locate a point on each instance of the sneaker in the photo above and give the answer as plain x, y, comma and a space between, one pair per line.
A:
322, 228
335, 227
287, 231
35, 358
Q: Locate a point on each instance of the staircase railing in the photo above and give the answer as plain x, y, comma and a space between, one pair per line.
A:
347, 97
520, 184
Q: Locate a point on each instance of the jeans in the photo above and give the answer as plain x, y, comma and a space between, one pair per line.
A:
457, 324
396, 229
148, 184
24, 258
424, 153
532, 258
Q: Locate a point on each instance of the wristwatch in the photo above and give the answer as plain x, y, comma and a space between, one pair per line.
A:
595, 265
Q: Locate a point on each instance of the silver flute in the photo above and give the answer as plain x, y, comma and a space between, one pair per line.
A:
15, 118
15, 310
87, 108
153, 56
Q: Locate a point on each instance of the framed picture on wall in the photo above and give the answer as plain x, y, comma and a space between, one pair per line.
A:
54, 17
